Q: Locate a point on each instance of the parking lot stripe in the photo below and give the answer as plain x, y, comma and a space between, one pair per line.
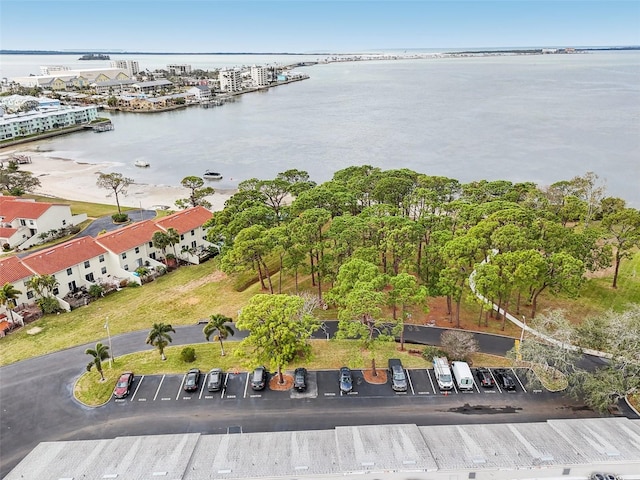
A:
180, 389
518, 378
136, 390
204, 380
246, 385
433, 389
224, 385
476, 385
495, 381
158, 389
410, 383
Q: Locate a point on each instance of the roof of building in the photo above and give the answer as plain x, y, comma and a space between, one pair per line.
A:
12, 270
185, 220
153, 83
128, 237
502, 451
12, 208
63, 256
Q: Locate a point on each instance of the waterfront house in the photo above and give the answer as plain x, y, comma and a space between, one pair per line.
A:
152, 86
201, 93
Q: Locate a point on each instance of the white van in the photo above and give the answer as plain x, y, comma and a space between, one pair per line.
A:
462, 374
443, 373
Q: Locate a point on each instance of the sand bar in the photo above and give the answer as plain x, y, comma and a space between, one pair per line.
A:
72, 180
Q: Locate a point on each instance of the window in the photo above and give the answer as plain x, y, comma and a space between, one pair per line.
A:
194, 244
23, 223
31, 222
139, 262
101, 258
29, 294
150, 244
64, 222
69, 271
124, 255
137, 250
126, 267
87, 264
56, 291
89, 277
193, 232
152, 255
182, 236
103, 270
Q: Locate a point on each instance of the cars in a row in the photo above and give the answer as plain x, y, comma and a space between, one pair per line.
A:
502, 376
214, 380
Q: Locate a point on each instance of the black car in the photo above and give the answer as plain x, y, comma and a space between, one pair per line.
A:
398, 377
259, 378
485, 378
191, 382
214, 381
345, 380
505, 379
300, 379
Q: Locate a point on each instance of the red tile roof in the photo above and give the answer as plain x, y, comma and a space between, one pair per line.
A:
185, 220
11, 209
7, 232
12, 270
63, 256
128, 237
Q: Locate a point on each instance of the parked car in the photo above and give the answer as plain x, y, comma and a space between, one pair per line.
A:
300, 379
398, 377
123, 386
192, 380
345, 380
485, 378
505, 379
259, 378
214, 380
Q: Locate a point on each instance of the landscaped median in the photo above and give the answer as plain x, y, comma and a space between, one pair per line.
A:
327, 355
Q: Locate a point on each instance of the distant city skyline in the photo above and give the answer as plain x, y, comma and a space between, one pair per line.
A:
313, 26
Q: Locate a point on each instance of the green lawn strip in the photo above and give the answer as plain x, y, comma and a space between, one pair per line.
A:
327, 355
93, 210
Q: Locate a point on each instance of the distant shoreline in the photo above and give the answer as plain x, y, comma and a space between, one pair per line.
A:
467, 51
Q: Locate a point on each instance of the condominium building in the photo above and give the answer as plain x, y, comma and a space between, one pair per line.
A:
260, 75
131, 66
37, 121
179, 69
231, 80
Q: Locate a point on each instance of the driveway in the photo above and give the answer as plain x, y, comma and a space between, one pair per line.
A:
106, 224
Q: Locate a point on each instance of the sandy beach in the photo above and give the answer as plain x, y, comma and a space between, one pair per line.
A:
73, 180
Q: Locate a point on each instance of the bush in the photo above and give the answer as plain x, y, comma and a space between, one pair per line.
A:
6, 247
96, 291
120, 217
48, 305
459, 345
431, 351
74, 229
188, 355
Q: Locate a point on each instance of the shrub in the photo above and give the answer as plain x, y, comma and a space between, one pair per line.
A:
48, 305
431, 351
96, 291
74, 229
6, 247
119, 217
188, 355
459, 345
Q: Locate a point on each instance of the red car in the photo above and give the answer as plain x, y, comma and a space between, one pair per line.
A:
124, 385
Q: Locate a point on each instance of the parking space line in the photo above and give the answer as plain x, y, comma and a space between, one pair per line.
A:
475, 385
204, 380
410, 383
246, 385
158, 389
433, 389
224, 386
455, 389
136, 390
180, 389
495, 381
518, 378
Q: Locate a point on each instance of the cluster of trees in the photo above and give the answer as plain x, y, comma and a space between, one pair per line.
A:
15, 181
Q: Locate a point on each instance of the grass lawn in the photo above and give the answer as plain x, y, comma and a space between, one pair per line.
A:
93, 210
326, 355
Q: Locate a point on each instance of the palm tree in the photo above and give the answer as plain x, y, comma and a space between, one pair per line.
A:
173, 237
8, 295
159, 337
218, 324
159, 240
99, 354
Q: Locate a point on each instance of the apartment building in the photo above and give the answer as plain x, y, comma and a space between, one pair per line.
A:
130, 66
37, 121
230, 80
260, 75
179, 69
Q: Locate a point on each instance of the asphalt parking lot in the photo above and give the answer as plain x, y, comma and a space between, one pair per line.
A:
323, 384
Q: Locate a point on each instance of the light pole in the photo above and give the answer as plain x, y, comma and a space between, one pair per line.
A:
524, 327
106, 325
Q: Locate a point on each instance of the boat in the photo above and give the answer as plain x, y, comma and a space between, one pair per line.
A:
95, 56
141, 163
209, 175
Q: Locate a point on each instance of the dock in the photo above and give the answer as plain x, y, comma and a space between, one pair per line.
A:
102, 127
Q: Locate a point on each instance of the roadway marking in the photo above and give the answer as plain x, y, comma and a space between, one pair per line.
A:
255, 395
119, 400
431, 381
204, 380
476, 386
352, 393
410, 383
186, 398
518, 378
136, 390
424, 393
180, 389
231, 396
329, 394
208, 396
165, 398
158, 389
224, 385
246, 385
495, 381
142, 399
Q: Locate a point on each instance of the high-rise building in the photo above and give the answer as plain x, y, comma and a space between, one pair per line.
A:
259, 75
230, 80
131, 66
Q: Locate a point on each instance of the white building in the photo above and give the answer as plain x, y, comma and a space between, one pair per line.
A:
179, 69
202, 93
53, 69
70, 78
37, 121
259, 75
131, 66
231, 80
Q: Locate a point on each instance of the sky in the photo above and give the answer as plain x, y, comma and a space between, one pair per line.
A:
302, 26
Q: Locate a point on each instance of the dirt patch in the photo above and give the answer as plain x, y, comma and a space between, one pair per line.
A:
379, 379
216, 276
287, 385
34, 330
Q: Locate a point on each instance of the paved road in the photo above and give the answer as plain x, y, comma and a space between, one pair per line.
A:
37, 404
105, 223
